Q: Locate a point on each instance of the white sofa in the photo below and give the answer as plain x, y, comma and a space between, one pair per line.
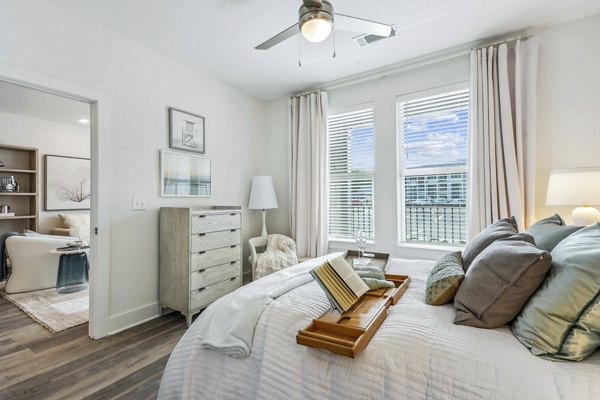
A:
33, 266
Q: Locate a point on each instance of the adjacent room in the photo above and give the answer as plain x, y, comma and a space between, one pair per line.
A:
305, 199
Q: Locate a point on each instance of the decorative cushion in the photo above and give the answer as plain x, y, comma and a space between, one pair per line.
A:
548, 232
562, 320
498, 230
80, 223
444, 279
500, 281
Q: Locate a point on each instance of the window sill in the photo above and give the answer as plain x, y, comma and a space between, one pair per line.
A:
347, 241
428, 246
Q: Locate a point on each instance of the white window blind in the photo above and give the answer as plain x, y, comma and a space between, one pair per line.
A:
432, 135
351, 173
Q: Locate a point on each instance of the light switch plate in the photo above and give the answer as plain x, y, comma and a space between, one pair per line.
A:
138, 203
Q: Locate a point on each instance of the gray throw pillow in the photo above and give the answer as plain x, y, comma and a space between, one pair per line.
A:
549, 232
500, 281
498, 230
444, 279
562, 320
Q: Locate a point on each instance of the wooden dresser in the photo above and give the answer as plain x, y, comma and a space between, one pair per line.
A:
200, 256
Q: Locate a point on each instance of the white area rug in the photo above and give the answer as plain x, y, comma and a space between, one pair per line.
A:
53, 310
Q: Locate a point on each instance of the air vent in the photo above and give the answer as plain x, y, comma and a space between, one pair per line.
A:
364, 40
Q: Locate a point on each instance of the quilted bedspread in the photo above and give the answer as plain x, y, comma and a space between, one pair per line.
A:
417, 353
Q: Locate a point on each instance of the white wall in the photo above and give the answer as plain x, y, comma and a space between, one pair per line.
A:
141, 84
568, 121
568, 103
49, 138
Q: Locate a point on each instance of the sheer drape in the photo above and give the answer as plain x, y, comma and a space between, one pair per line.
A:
502, 135
308, 173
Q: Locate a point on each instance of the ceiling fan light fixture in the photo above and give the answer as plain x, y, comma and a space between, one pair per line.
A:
316, 29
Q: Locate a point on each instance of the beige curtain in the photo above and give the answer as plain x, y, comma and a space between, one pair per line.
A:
502, 135
308, 173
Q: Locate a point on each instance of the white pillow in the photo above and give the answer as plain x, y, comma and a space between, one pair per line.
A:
80, 223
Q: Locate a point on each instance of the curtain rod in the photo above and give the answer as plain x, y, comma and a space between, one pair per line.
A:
444, 55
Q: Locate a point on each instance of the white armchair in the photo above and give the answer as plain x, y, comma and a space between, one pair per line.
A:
256, 244
33, 266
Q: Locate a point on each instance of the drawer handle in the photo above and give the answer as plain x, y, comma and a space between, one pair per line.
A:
201, 252
233, 262
201, 289
233, 230
201, 271
234, 246
234, 278
201, 216
202, 234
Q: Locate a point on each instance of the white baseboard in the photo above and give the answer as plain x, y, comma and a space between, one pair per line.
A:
129, 319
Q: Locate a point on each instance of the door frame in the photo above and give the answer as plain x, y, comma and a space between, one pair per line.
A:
99, 257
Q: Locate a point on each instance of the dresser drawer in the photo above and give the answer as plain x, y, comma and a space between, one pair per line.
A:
210, 258
215, 240
204, 296
216, 222
208, 276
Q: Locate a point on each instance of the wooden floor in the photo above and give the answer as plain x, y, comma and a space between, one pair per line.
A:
35, 364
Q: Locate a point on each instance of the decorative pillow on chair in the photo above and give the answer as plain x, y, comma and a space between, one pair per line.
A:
77, 222
562, 320
498, 230
549, 232
500, 281
444, 279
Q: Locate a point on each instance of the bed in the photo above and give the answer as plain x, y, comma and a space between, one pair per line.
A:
417, 353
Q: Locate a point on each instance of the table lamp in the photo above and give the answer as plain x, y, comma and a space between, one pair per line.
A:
576, 187
262, 197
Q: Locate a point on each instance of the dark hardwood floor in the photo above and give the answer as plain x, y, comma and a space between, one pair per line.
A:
36, 364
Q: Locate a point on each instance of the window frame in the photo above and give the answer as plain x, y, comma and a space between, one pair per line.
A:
400, 170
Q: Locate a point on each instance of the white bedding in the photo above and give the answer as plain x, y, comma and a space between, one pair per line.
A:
418, 353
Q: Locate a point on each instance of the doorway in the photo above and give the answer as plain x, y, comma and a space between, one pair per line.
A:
84, 109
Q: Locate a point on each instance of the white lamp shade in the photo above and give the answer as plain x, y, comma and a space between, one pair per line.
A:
262, 194
574, 187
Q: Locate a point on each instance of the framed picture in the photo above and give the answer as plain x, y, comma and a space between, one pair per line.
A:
186, 131
67, 183
185, 175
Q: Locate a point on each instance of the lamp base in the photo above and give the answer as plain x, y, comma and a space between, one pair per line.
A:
583, 216
264, 233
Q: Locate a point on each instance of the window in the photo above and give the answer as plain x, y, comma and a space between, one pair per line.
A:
432, 156
351, 173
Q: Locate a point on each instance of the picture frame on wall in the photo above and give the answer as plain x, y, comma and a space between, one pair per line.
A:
186, 131
66, 183
185, 175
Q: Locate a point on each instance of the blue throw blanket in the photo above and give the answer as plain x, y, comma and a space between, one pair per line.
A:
4, 255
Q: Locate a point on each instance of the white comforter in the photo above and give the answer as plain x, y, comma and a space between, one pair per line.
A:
418, 353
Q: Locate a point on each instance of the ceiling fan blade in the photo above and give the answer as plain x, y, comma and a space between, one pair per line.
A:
353, 24
280, 37
312, 3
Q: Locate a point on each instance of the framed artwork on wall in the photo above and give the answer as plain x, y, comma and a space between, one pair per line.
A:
185, 175
67, 183
186, 131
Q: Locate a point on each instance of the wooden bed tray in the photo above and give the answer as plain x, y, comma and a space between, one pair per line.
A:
348, 333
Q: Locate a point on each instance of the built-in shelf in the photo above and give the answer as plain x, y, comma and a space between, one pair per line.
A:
18, 171
20, 217
16, 194
22, 162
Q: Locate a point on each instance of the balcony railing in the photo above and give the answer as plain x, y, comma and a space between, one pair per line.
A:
439, 223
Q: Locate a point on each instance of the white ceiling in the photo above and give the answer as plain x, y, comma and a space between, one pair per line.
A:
219, 36
21, 100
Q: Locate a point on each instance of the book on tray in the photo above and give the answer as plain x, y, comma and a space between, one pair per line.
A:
340, 282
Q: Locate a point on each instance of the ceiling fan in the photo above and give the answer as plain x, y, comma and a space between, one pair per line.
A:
316, 20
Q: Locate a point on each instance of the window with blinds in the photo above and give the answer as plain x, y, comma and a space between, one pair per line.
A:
432, 136
351, 174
